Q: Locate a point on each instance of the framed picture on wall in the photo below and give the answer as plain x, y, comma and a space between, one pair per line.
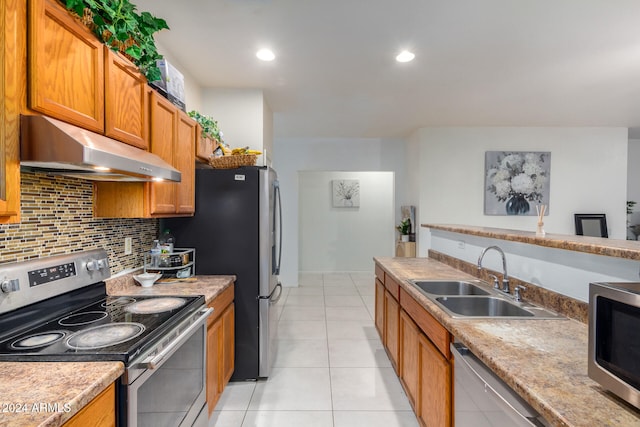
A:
346, 193
516, 181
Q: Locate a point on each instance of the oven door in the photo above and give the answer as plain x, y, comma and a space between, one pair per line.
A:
167, 387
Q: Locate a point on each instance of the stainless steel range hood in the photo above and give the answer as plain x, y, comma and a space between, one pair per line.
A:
57, 147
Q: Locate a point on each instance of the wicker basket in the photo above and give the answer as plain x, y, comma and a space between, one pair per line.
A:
234, 161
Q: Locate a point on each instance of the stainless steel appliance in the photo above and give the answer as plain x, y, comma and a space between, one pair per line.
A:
64, 149
56, 309
483, 399
614, 338
237, 230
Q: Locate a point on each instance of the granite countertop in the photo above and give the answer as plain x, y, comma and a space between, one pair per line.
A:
72, 385
47, 394
545, 361
626, 249
209, 286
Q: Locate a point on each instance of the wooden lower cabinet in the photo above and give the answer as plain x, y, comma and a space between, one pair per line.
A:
100, 412
380, 308
418, 346
409, 357
435, 402
220, 346
392, 328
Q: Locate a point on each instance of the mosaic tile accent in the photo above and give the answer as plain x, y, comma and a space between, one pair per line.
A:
57, 218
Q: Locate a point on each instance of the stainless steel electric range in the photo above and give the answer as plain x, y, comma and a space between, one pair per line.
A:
57, 309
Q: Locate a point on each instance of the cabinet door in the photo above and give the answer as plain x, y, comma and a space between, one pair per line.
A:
214, 386
228, 346
380, 309
185, 162
163, 133
435, 386
66, 67
12, 82
392, 328
100, 412
409, 357
126, 106
204, 146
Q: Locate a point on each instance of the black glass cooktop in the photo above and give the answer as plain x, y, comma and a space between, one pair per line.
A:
88, 325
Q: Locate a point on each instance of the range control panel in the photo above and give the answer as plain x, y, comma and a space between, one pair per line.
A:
51, 274
27, 282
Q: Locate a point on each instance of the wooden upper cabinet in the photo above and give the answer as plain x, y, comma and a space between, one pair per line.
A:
204, 146
184, 161
164, 121
12, 85
172, 137
66, 67
126, 101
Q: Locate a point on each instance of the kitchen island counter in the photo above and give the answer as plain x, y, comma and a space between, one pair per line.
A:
47, 394
545, 361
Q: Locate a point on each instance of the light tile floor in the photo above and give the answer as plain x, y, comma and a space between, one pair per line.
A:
331, 369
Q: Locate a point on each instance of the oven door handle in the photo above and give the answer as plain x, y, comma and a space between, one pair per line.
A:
160, 357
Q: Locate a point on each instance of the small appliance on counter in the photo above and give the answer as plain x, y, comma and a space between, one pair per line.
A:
614, 338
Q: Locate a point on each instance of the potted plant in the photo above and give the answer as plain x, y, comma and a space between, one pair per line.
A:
404, 228
123, 29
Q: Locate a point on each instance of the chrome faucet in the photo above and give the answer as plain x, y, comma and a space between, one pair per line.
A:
505, 277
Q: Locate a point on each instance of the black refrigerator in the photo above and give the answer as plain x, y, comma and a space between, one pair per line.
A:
237, 229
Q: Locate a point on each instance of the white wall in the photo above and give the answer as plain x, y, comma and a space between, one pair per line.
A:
344, 239
334, 154
242, 115
588, 175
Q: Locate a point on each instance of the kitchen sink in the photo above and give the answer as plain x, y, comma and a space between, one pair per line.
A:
483, 306
449, 287
477, 299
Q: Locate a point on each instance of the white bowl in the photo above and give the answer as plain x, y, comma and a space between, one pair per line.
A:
147, 280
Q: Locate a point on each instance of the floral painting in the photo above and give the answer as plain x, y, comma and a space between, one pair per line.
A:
346, 193
515, 182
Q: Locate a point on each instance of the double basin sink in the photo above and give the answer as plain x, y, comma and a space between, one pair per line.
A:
472, 299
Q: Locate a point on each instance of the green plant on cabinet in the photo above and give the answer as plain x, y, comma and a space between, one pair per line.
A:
122, 28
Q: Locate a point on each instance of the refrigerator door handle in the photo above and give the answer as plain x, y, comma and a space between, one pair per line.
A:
276, 185
270, 297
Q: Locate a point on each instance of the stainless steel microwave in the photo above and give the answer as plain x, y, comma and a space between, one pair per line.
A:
614, 338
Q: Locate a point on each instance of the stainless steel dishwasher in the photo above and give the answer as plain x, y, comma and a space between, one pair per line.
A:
484, 400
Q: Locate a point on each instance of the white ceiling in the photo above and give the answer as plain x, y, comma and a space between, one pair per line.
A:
478, 62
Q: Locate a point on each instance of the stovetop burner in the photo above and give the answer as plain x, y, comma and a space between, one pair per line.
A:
104, 336
156, 305
83, 318
117, 302
38, 340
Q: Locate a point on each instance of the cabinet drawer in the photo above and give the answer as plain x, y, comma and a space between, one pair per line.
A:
427, 323
392, 286
379, 273
220, 302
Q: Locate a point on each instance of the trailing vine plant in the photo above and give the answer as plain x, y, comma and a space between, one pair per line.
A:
123, 29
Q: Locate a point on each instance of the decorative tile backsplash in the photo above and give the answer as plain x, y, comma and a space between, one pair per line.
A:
57, 218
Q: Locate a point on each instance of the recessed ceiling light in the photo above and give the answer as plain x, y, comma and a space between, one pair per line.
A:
405, 56
265, 55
